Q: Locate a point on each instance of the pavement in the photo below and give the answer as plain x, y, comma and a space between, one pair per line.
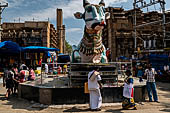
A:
18, 105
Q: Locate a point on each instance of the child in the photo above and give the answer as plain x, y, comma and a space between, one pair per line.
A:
31, 74
128, 101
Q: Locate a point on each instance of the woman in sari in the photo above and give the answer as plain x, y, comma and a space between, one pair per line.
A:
128, 101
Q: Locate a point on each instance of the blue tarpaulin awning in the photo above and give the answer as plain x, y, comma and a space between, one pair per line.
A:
123, 58
38, 49
9, 47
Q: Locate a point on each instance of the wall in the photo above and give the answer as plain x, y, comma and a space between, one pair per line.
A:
76, 95
30, 33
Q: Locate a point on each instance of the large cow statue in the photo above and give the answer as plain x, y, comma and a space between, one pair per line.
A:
91, 48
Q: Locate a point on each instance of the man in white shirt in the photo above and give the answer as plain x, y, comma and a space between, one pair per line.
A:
94, 86
150, 84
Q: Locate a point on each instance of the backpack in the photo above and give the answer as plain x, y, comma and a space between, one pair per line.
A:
9, 75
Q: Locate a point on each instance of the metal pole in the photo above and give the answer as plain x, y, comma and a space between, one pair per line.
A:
135, 32
164, 21
150, 23
131, 66
70, 75
134, 6
41, 74
117, 74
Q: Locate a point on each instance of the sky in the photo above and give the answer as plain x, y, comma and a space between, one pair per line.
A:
42, 10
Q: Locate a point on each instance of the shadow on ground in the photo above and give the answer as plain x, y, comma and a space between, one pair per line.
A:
16, 103
165, 94
74, 109
114, 110
163, 86
165, 110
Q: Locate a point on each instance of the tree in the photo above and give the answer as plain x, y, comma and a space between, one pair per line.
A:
68, 48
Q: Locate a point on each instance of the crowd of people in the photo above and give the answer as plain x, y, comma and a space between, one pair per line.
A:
13, 75
56, 69
162, 75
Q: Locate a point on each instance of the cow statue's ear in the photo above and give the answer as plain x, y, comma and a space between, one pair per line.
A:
85, 3
102, 3
78, 15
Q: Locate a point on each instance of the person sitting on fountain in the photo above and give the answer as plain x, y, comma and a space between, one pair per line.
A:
23, 74
31, 76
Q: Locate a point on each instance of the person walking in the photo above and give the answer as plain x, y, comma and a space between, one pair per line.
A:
128, 101
8, 81
94, 86
150, 84
16, 81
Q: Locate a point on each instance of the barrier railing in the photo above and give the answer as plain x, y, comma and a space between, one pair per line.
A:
76, 73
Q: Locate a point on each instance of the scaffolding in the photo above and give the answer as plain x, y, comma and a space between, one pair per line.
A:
140, 4
2, 7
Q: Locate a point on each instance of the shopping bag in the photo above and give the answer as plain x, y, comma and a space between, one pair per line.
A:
86, 87
128, 90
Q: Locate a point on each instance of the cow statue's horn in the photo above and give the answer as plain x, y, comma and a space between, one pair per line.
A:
85, 2
102, 2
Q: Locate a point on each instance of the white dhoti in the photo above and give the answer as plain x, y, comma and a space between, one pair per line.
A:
95, 99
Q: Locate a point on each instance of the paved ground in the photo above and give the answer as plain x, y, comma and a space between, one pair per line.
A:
15, 105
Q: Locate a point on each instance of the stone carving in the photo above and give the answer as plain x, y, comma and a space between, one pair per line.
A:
24, 34
33, 34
